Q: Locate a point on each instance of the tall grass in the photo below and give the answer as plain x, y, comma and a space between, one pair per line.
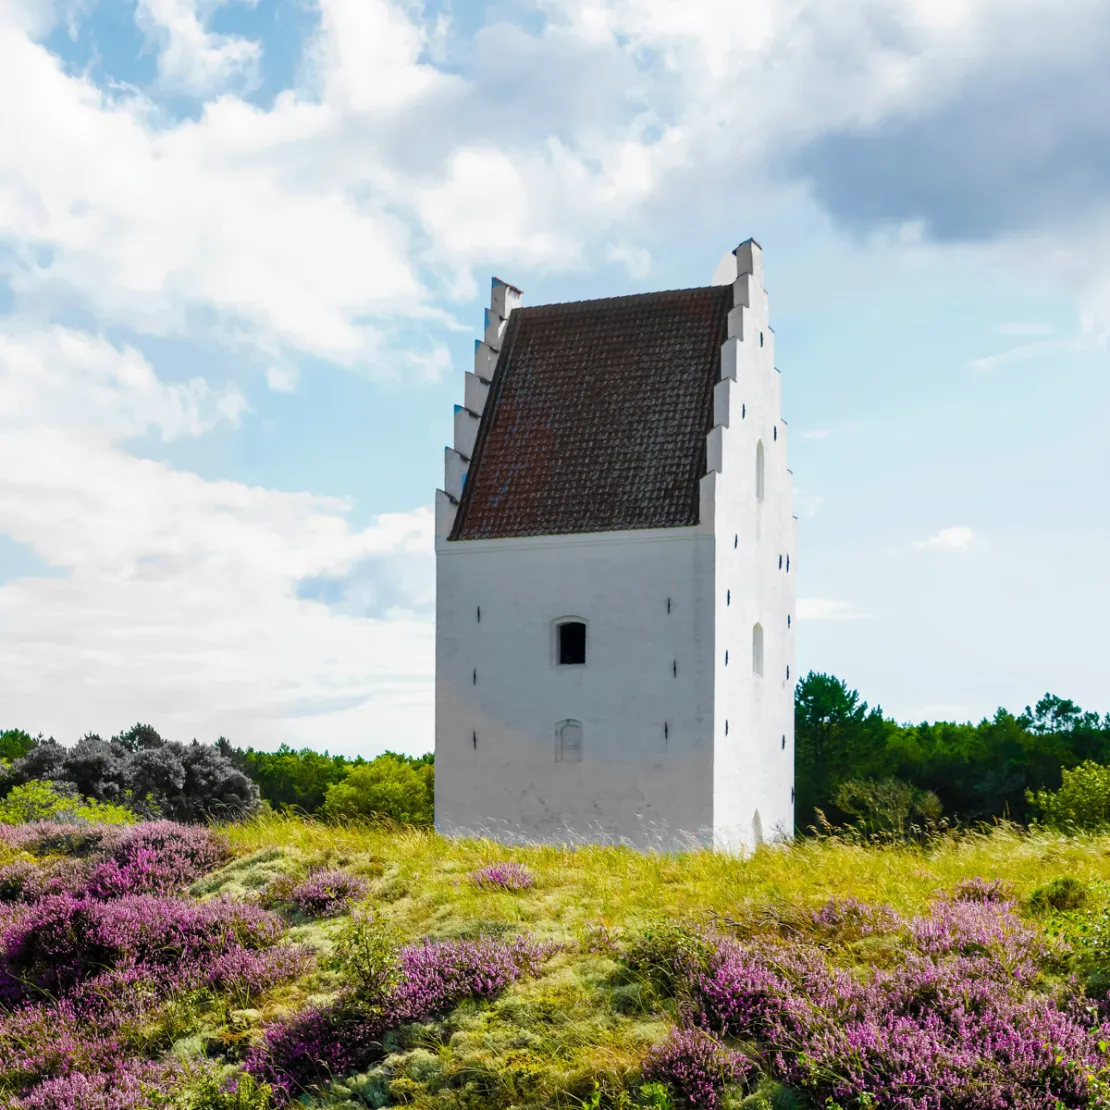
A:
585, 885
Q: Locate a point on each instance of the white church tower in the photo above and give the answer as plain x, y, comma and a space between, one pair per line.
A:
615, 562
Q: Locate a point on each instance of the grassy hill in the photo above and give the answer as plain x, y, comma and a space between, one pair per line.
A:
970, 972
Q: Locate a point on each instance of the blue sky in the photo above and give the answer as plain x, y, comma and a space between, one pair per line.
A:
244, 252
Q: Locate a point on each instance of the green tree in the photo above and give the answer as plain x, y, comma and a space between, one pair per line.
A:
48, 801
389, 786
1081, 804
15, 743
836, 738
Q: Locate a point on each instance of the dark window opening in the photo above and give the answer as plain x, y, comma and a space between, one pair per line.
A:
784, 743
475, 676
775, 433
475, 738
479, 614
674, 668
726, 726
780, 562
792, 794
787, 564
743, 411
572, 643
728, 597
735, 541
668, 605
761, 339
666, 731
787, 620
787, 674
726, 658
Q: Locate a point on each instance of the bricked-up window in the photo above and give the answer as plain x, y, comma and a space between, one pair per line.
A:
571, 646
759, 479
757, 649
568, 742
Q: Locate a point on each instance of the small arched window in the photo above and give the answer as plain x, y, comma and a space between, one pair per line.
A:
757, 649
759, 468
568, 742
570, 643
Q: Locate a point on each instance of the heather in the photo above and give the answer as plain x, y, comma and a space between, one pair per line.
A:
292, 963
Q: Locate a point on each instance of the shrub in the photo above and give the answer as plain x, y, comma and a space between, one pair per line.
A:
1063, 893
388, 787
1081, 804
695, 1068
368, 955
140, 770
48, 801
887, 805
977, 889
669, 956
63, 940
416, 984
327, 893
158, 857
503, 876
240, 1092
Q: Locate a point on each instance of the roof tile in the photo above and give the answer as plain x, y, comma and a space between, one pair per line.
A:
597, 417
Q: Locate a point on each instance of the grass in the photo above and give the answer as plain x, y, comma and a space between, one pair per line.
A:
421, 877
573, 1037
576, 1036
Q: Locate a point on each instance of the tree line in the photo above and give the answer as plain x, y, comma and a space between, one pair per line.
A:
854, 764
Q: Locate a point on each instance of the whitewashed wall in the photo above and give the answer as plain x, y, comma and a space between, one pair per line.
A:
658, 767
500, 692
755, 571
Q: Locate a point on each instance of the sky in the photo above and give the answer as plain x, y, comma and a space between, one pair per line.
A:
244, 252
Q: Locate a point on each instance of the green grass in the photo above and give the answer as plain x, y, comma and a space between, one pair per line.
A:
420, 878
547, 1042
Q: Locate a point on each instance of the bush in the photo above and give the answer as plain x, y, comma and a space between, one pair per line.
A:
241, 1092
887, 805
1082, 804
695, 1067
327, 893
140, 770
503, 876
47, 801
388, 787
1064, 893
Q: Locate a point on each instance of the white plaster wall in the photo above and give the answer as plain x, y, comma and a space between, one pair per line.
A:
497, 680
754, 762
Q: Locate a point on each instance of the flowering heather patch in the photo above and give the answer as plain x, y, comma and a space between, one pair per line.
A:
247, 973
503, 876
327, 893
159, 857
27, 881
958, 1025
123, 1088
63, 939
316, 1046
850, 919
977, 889
695, 1067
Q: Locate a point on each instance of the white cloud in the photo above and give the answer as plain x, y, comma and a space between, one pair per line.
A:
826, 609
957, 538
180, 606
65, 379
191, 58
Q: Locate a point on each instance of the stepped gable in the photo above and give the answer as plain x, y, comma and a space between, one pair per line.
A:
597, 417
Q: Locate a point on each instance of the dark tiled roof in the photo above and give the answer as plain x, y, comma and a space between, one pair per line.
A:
597, 417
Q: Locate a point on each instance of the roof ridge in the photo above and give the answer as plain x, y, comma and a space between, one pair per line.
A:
624, 297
